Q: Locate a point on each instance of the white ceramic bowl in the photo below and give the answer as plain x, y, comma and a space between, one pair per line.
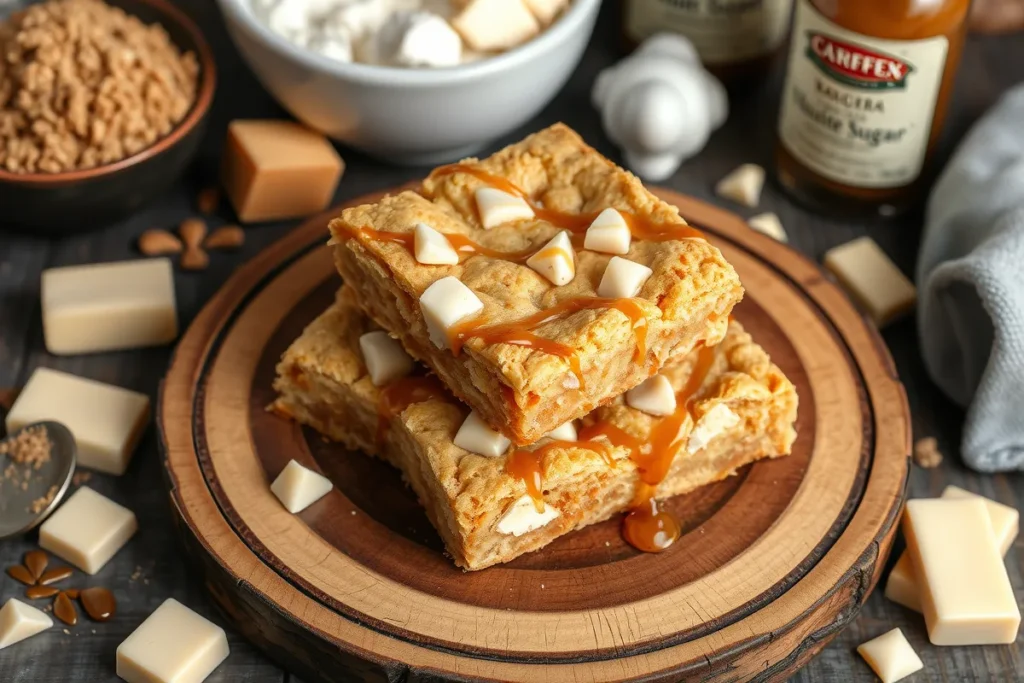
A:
414, 116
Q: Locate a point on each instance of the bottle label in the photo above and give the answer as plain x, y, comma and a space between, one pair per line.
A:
723, 31
855, 109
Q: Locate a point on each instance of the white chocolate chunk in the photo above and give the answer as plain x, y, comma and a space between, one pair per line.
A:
19, 621
566, 432
546, 10
522, 517
87, 530
417, 39
966, 595
623, 278
769, 224
874, 281
743, 185
385, 358
902, 586
173, 645
556, 260
497, 207
714, 422
445, 303
609, 233
298, 487
477, 437
108, 306
495, 25
654, 396
106, 421
432, 248
890, 656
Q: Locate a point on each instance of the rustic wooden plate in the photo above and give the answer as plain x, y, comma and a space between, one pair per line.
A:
772, 563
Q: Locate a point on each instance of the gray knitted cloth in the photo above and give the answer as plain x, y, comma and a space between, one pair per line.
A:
970, 278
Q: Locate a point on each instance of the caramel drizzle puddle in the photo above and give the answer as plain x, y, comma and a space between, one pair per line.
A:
402, 393
526, 465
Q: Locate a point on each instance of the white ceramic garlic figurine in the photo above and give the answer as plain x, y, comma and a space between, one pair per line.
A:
660, 105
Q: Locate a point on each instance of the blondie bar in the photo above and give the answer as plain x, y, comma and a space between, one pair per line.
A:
539, 283
482, 506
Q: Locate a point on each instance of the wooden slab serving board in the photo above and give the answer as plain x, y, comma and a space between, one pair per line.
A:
772, 564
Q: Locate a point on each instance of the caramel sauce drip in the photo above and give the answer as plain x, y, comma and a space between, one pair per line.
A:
402, 393
649, 528
525, 465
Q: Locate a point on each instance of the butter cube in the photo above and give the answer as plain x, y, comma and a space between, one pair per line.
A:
890, 656
108, 306
298, 487
274, 170
19, 621
965, 592
87, 530
522, 517
623, 278
173, 645
873, 280
106, 421
495, 25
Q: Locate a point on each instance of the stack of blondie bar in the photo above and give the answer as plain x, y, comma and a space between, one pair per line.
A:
538, 343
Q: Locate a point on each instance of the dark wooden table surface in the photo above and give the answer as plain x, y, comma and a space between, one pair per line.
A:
149, 569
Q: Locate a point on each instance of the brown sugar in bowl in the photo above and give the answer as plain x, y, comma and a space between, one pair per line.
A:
68, 202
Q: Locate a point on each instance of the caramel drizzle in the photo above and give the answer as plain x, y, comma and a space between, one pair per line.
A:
526, 465
402, 393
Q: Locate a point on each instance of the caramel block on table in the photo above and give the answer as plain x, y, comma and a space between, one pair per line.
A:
872, 279
890, 656
19, 621
108, 306
966, 595
902, 585
173, 645
87, 530
278, 169
106, 421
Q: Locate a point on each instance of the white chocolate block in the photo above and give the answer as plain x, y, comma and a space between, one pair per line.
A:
608, 233
890, 656
874, 281
546, 10
87, 530
623, 278
298, 487
902, 587
523, 517
966, 595
108, 306
432, 248
173, 645
769, 224
566, 432
497, 207
495, 25
445, 303
416, 38
385, 358
556, 260
107, 421
714, 422
743, 185
19, 621
477, 437
653, 396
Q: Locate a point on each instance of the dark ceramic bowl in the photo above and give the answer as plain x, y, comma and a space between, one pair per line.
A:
53, 204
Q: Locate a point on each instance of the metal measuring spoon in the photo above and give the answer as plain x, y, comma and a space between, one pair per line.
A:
16, 517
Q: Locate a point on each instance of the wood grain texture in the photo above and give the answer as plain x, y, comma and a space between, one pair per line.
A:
990, 65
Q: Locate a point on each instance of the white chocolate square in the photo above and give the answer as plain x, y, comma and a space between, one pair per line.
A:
108, 306
106, 421
716, 421
546, 10
966, 595
769, 224
298, 487
476, 436
902, 585
556, 260
173, 645
497, 207
623, 278
445, 303
87, 530
890, 656
522, 517
384, 357
608, 233
432, 248
19, 621
565, 432
653, 396
743, 185
873, 280
495, 25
